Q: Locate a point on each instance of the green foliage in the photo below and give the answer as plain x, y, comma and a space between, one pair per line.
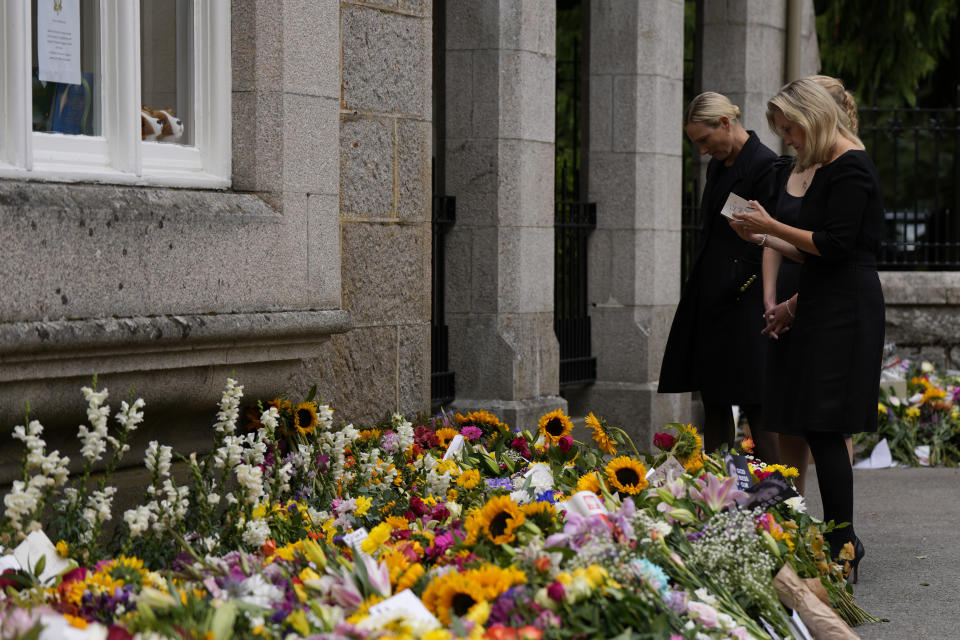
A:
883, 49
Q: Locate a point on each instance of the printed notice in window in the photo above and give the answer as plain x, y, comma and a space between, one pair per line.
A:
58, 41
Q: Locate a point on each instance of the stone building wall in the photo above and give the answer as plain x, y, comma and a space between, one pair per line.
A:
923, 315
324, 233
383, 364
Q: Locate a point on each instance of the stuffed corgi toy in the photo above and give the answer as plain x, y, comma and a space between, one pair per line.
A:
161, 125
150, 125
172, 125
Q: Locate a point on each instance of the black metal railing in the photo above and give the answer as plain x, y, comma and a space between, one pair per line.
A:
573, 222
442, 379
691, 227
916, 153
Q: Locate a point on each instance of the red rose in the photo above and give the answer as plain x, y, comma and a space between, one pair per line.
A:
664, 441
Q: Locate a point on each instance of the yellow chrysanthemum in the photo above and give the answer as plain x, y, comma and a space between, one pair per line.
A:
375, 539
933, 393
626, 475
410, 577
448, 466
600, 435
397, 522
469, 479
483, 419
445, 435
63, 548
785, 471
589, 482
363, 505
881, 409
554, 426
913, 412
397, 564
500, 518
305, 418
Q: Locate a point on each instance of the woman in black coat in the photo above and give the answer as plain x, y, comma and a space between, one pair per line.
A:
715, 346
838, 328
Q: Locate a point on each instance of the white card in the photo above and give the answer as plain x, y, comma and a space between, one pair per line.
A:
355, 538
735, 204
58, 41
406, 604
38, 545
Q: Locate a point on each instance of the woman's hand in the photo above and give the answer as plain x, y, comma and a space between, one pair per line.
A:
746, 236
779, 319
757, 221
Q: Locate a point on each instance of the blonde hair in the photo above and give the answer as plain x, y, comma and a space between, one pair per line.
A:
844, 100
814, 110
709, 107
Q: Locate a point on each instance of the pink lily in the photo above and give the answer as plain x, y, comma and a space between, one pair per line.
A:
715, 493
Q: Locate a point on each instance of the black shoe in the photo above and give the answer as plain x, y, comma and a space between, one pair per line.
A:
858, 553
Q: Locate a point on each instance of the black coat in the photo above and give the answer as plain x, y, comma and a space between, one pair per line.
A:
837, 344
715, 345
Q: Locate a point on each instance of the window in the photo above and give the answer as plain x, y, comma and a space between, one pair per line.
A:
131, 92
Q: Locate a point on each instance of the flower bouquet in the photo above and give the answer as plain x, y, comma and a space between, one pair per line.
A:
449, 526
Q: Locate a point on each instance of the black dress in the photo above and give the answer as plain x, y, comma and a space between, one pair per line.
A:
775, 416
715, 345
837, 343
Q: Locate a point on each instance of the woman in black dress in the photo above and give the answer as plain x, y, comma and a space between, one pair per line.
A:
715, 346
781, 278
837, 335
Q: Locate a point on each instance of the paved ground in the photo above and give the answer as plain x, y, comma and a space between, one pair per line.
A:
909, 522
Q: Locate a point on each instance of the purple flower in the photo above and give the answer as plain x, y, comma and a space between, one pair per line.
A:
471, 432
390, 442
715, 493
499, 483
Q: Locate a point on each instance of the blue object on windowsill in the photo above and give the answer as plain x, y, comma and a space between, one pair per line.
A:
70, 111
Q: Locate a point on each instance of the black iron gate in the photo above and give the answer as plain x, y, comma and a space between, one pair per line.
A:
574, 218
442, 380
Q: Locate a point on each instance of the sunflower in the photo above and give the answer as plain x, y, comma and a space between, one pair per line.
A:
305, 418
589, 482
543, 514
500, 518
689, 444
627, 475
603, 440
445, 435
459, 594
554, 426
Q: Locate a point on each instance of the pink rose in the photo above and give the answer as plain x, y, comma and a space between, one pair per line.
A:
702, 613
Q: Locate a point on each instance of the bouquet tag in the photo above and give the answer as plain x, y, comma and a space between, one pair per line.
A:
735, 204
665, 472
36, 546
586, 503
738, 468
455, 446
407, 605
355, 538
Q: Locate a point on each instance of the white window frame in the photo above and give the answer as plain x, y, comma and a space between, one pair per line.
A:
118, 155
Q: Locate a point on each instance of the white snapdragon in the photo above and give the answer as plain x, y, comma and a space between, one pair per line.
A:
230, 454
129, 416
404, 430
157, 458
174, 507
251, 479
229, 407
325, 416
256, 532
99, 506
139, 519
94, 439
270, 420
284, 474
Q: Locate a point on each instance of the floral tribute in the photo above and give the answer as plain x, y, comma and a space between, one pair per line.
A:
923, 427
447, 526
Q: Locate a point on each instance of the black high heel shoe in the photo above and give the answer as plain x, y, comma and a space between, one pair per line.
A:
858, 553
